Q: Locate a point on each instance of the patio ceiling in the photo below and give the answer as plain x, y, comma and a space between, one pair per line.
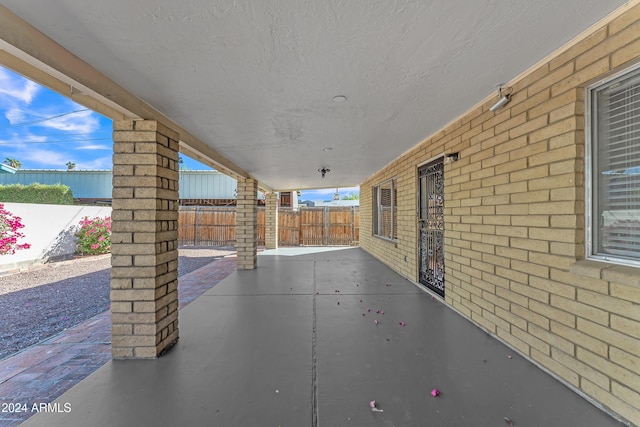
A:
251, 85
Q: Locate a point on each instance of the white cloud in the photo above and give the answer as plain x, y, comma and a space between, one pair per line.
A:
97, 163
42, 156
80, 122
16, 88
94, 147
15, 115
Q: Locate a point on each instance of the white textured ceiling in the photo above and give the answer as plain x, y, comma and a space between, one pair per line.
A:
255, 79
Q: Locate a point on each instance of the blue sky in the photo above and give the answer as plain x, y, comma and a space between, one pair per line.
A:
44, 130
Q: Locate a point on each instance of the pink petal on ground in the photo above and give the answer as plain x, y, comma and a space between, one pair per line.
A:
377, 311
368, 309
509, 357
338, 303
402, 323
372, 404
435, 392
382, 312
432, 297
375, 321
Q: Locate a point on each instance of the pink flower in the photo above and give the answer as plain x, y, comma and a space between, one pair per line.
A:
435, 392
372, 405
402, 324
382, 312
95, 246
368, 309
377, 311
375, 321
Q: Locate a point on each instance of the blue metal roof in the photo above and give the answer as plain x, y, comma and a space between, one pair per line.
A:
7, 169
90, 184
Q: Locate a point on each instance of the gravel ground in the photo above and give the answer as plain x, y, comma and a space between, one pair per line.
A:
40, 303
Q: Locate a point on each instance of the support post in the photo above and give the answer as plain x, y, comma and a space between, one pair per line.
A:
247, 224
271, 221
144, 260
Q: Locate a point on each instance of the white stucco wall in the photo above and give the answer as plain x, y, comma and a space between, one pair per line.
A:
49, 229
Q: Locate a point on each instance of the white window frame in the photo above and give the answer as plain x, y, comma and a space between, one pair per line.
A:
593, 212
378, 224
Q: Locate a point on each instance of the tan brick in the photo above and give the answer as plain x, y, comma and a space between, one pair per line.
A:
530, 221
609, 400
551, 313
583, 369
616, 339
148, 352
585, 44
551, 78
556, 367
608, 303
133, 340
530, 316
121, 352
581, 77
530, 244
624, 275
529, 126
579, 309
583, 282
132, 295
529, 173
624, 359
121, 329
121, 307
522, 103
579, 338
628, 395
625, 54
552, 339
620, 374
626, 326
515, 342
532, 341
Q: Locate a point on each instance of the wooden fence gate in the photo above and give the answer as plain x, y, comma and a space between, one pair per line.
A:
306, 226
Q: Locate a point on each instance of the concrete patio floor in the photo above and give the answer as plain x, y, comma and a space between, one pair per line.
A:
294, 344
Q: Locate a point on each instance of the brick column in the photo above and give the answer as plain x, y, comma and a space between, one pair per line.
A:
144, 260
247, 224
271, 221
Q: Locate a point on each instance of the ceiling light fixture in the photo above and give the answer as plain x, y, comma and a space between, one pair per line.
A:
324, 171
504, 96
339, 98
327, 149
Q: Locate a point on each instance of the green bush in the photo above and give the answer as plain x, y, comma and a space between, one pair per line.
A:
36, 193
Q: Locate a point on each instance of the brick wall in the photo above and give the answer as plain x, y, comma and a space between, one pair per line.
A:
247, 224
144, 260
514, 224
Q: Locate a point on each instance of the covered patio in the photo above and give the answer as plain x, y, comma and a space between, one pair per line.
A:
486, 192
293, 343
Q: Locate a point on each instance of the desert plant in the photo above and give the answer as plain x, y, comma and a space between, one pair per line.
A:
9, 234
94, 236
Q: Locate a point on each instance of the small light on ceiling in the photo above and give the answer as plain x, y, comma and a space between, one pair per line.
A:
324, 171
339, 98
327, 149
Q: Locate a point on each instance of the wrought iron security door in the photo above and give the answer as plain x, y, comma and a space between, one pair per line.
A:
431, 225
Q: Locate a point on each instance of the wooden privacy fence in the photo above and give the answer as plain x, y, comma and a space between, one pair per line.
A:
307, 226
